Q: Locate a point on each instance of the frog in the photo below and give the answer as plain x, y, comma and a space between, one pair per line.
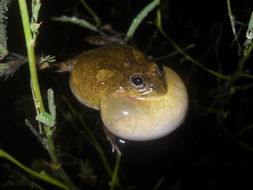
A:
138, 100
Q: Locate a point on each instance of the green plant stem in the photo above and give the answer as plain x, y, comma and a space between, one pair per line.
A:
232, 22
94, 143
114, 180
245, 145
31, 55
241, 65
34, 76
30, 43
245, 57
89, 136
98, 148
240, 142
181, 51
242, 87
93, 14
41, 176
245, 75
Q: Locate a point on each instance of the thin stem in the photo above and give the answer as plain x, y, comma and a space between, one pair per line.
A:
232, 22
241, 65
173, 53
97, 147
114, 180
245, 57
41, 176
94, 143
245, 145
30, 43
250, 127
34, 76
242, 87
31, 55
181, 51
245, 75
89, 136
93, 14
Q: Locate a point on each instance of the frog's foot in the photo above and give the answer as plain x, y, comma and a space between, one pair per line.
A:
112, 139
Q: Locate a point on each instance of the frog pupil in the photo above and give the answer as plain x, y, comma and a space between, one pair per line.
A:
138, 81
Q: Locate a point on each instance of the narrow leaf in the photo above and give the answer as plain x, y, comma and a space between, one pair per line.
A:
78, 21
46, 119
249, 33
51, 104
36, 4
140, 17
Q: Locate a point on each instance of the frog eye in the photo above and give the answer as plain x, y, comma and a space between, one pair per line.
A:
138, 81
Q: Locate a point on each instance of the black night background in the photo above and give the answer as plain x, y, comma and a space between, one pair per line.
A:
213, 149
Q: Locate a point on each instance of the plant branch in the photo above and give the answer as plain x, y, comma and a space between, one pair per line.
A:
181, 51
41, 176
30, 43
34, 76
114, 180
94, 15
232, 22
89, 136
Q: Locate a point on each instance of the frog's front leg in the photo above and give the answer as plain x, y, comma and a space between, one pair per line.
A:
112, 139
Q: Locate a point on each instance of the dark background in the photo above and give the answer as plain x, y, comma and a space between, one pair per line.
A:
206, 152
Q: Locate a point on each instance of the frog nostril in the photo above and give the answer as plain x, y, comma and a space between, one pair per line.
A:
160, 68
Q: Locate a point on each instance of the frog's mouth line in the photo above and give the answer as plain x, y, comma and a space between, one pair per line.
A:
145, 95
135, 98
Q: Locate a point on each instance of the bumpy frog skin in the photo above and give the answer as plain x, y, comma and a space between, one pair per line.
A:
136, 99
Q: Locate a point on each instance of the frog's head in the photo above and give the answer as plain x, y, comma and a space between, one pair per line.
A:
148, 104
141, 81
